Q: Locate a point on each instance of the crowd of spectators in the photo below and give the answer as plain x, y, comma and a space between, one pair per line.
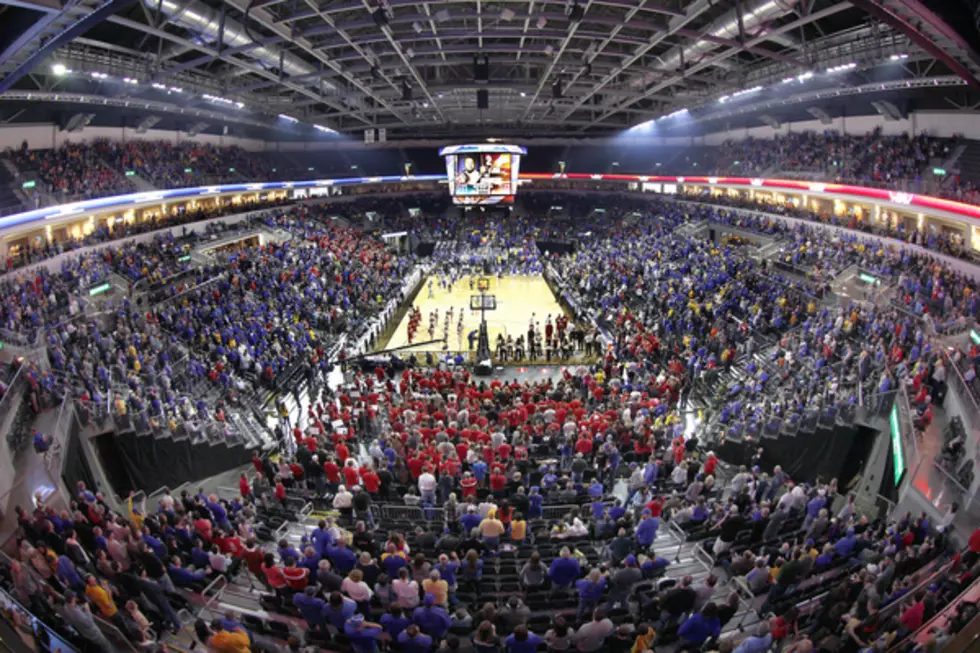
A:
868, 159
484, 460
483, 560
169, 165
74, 171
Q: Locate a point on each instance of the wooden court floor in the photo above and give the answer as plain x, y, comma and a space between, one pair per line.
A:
518, 298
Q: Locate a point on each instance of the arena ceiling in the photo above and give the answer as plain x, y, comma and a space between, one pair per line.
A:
546, 67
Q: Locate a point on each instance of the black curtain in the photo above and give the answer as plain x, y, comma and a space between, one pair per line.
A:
560, 247
76, 467
148, 463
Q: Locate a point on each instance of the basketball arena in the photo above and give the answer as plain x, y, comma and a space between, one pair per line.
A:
481, 326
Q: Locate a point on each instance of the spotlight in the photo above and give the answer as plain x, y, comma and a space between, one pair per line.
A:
59, 69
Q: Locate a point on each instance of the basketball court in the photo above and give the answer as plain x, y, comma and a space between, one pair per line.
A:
517, 299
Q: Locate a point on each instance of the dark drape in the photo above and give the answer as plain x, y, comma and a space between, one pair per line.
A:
560, 247
147, 463
76, 466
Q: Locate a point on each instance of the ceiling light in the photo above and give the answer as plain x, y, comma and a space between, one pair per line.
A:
417, 26
542, 21
507, 14
898, 57
523, 94
176, 89
549, 49
841, 68
159, 86
442, 15
324, 129
289, 118
130, 80
99, 75
59, 69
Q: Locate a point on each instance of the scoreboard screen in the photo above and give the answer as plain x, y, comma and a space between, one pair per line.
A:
482, 174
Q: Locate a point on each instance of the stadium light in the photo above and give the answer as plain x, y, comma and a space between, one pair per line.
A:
59, 69
725, 98
288, 118
325, 130
841, 68
898, 57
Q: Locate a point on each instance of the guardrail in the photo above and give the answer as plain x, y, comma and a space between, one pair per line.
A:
115, 636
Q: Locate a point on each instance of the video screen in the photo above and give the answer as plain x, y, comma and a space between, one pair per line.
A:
482, 174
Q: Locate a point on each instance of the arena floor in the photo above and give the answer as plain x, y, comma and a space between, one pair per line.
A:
518, 299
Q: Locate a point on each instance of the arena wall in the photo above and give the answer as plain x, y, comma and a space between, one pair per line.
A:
48, 136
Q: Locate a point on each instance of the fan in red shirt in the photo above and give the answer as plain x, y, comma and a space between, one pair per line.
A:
371, 481
415, 464
503, 451
350, 475
343, 453
583, 446
332, 470
710, 464
295, 576
468, 484
243, 486
655, 507
498, 482
280, 492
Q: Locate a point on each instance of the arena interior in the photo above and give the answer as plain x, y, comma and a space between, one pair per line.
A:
489, 326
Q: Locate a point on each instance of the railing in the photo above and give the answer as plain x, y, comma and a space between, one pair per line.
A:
14, 392
941, 618
957, 383
114, 635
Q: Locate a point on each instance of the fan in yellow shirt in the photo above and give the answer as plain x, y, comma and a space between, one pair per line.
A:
100, 596
228, 641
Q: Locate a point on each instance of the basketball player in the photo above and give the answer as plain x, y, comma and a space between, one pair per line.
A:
470, 176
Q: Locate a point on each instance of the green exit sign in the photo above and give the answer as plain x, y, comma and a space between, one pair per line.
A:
182, 259
898, 456
29, 184
187, 170
867, 278
130, 173
939, 172
98, 290
974, 336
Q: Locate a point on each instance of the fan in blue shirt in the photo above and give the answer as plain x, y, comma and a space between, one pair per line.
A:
565, 569
394, 622
522, 641
411, 640
431, 618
